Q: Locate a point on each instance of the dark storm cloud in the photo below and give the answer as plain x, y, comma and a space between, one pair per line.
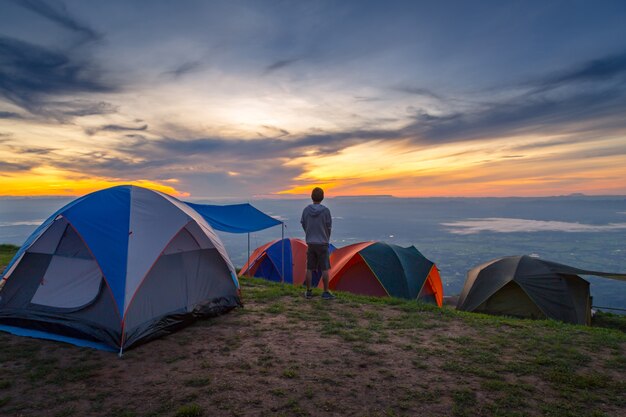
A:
60, 16
30, 75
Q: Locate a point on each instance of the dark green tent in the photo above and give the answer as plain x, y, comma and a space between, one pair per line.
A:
525, 286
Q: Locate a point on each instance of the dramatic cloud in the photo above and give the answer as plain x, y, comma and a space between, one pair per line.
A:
32, 150
185, 68
602, 69
269, 131
13, 168
31, 75
9, 115
59, 16
596, 92
116, 128
417, 91
280, 64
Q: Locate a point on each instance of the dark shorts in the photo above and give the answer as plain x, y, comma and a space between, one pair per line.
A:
317, 257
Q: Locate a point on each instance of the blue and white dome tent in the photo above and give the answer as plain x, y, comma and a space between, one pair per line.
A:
116, 268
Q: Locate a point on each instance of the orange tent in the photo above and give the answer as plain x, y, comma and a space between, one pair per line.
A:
382, 269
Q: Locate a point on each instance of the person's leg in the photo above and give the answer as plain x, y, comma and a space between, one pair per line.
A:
325, 266
310, 263
325, 280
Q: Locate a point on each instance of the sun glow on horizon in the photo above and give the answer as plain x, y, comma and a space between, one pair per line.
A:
494, 167
46, 181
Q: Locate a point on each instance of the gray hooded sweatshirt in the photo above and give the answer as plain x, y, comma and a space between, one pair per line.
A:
316, 222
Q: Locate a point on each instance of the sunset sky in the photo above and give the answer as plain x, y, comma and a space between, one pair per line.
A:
245, 99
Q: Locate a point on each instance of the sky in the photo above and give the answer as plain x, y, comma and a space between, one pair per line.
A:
255, 99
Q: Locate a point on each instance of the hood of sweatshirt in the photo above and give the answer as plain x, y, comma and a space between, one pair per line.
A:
315, 210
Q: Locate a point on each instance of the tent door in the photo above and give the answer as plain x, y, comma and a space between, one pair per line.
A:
511, 300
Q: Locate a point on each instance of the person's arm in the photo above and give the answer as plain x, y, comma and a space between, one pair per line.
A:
329, 223
303, 221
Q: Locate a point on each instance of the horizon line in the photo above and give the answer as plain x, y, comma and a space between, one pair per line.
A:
307, 196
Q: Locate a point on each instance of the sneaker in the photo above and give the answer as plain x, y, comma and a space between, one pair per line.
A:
327, 295
308, 294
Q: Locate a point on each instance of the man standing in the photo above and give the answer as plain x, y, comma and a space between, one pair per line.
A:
316, 222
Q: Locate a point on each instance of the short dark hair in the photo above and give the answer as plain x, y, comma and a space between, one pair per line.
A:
317, 195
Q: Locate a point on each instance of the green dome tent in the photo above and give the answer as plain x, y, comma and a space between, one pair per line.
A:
525, 286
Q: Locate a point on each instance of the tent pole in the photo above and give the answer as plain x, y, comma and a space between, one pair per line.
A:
282, 241
248, 261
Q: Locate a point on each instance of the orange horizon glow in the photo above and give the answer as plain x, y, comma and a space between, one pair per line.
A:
472, 169
51, 182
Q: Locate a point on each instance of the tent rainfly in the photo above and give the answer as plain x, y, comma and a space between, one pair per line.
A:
121, 266
524, 286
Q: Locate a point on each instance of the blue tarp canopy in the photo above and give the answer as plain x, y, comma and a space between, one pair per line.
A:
235, 218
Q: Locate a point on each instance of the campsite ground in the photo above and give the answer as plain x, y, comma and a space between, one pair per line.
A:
284, 355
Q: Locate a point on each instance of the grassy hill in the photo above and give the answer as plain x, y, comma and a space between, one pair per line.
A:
284, 355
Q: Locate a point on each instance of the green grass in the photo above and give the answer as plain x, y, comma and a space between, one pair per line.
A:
198, 382
6, 254
191, 410
290, 373
610, 321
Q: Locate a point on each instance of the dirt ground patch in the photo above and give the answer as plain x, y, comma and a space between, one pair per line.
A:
285, 355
